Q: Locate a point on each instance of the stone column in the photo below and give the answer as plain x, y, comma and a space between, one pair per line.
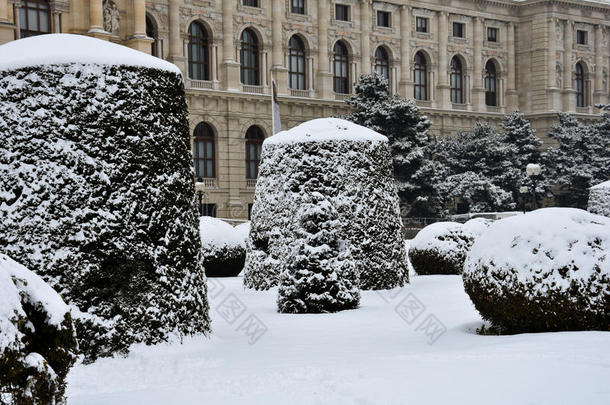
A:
599, 91
230, 66
7, 33
443, 100
365, 35
552, 88
324, 78
512, 99
406, 84
478, 92
568, 94
138, 39
96, 18
176, 45
280, 72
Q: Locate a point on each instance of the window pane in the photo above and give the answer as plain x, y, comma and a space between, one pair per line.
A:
44, 21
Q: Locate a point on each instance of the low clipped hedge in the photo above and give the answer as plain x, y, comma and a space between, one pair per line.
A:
223, 248
440, 248
548, 270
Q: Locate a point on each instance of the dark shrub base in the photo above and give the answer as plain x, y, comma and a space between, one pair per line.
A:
432, 262
228, 263
511, 310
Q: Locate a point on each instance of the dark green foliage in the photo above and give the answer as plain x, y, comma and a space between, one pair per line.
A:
322, 275
109, 198
580, 160
515, 309
226, 262
432, 261
407, 130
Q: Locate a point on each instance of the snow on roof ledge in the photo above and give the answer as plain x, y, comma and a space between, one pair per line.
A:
56, 49
326, 129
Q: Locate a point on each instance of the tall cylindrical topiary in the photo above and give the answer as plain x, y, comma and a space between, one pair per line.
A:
352, 169
97, 194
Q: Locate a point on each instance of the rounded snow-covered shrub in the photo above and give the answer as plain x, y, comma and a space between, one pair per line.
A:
599, 199
224, 250
477, 226
440, 248
350, 166
547, 270
243, 230
37, 340
97, 190
321, 275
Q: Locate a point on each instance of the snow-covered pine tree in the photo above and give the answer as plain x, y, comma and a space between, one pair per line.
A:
407, 130
580, 160
518, 132
97, 191
321, 275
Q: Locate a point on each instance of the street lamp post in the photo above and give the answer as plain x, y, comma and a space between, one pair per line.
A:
533, 171
523, 190
200, 188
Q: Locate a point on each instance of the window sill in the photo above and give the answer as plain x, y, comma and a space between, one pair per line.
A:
250, 9
422, 35
298, 17
345, 24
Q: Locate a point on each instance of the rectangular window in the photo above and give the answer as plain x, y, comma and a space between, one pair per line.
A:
581, 37
251, 3
492, 34
421, 24
208, 210
384, 19
297, 6
341, 12
458, 30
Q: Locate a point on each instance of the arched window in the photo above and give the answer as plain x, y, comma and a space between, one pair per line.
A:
34, 17
254, 146
296, 63
151, 32
340, 68
382, 63
491, 84
198, 52
249, 58
421, 77
204, 154
457, 81
579, 85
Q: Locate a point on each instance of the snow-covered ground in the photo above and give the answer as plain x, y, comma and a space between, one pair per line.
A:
414, 345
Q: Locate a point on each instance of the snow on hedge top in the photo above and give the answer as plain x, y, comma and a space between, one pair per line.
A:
56, 49
605, 184
216, 233
37, 292
477, 226
542, 244
326, 129
441, 236
244, 230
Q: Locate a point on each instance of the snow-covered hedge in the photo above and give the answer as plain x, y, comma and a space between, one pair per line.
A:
37, 340
441, 248
97, 190
223, 247
547, 270
599, 199
349, 165
321, 275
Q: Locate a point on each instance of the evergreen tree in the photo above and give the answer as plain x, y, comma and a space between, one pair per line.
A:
581, 159
407, 130
322, 277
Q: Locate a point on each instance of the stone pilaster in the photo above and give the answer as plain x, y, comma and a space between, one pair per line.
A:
324, 77
553, 91
442, 89
568, 93
279, 70
138, 39
365, 35
599, 93
406, 84
512, 99
478, 91
96, 20
230, 66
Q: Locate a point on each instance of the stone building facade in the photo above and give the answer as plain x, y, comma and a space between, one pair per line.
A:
463, 60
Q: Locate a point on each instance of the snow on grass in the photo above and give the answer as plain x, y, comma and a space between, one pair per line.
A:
366, 356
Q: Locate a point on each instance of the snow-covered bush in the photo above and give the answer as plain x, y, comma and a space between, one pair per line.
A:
547, 270
351, 167
244, 230
223, 247
440, 248
97, 190
321, 275
599, 199
477, 226
37, 340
